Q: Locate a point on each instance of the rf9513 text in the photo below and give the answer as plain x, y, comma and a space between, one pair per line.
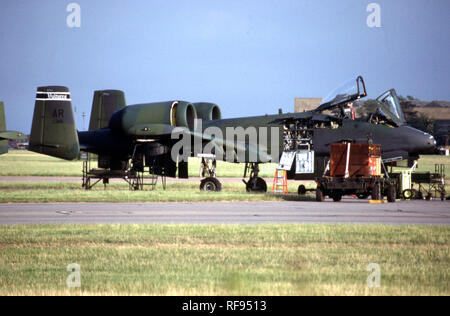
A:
246, 305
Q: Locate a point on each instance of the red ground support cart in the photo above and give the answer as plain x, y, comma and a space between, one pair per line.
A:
355, 169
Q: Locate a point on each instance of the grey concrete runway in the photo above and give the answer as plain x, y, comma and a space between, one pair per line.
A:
348, 211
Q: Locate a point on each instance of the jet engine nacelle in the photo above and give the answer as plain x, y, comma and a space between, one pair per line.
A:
208, 111
154, 118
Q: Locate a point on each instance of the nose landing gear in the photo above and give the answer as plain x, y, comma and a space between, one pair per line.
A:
208, 169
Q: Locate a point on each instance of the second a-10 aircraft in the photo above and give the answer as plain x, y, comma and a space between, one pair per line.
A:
5, 135
137, 136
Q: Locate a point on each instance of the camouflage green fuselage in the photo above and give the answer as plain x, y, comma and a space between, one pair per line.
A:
393, 140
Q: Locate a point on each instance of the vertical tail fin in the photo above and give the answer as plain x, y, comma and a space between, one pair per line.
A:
3, 143
53, 131
104, 105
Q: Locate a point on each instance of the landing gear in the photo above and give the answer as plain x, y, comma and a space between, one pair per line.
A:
208, 166
211, 185
208, 170
255, 184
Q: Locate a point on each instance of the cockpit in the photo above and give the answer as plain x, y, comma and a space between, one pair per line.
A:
344, 103
386, 109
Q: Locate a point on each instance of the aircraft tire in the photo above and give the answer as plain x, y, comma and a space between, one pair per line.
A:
256, 185
211, 185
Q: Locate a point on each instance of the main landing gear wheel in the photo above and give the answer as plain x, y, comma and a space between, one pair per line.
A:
256, 185
211, 185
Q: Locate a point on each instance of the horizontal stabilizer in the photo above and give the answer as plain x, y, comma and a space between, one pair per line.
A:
12, 135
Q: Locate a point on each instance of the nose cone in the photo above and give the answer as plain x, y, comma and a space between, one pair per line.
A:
428, 144
424, 143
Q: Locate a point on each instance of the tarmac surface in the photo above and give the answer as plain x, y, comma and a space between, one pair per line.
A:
348, 211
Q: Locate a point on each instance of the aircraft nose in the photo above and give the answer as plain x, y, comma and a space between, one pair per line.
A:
416, 142
429, 144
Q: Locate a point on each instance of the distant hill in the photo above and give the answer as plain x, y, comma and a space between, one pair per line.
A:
436, 110
432, 104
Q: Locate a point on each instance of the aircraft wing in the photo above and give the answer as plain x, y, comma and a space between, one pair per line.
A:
239, 148
12, 135
151, 130
260, 153
165, 132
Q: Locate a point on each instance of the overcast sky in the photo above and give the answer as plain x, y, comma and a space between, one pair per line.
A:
250, 57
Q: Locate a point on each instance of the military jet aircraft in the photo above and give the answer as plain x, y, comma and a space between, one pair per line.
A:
7, 135
139, 136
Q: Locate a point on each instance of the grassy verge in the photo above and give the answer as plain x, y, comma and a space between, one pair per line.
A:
25, 163
176, 192
224, 260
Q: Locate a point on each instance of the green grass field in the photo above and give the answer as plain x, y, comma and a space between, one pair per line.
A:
25, 163
206, 259
26, 192
224, 260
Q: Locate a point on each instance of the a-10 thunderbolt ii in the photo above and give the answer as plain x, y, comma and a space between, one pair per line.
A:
7, 135
138, 136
